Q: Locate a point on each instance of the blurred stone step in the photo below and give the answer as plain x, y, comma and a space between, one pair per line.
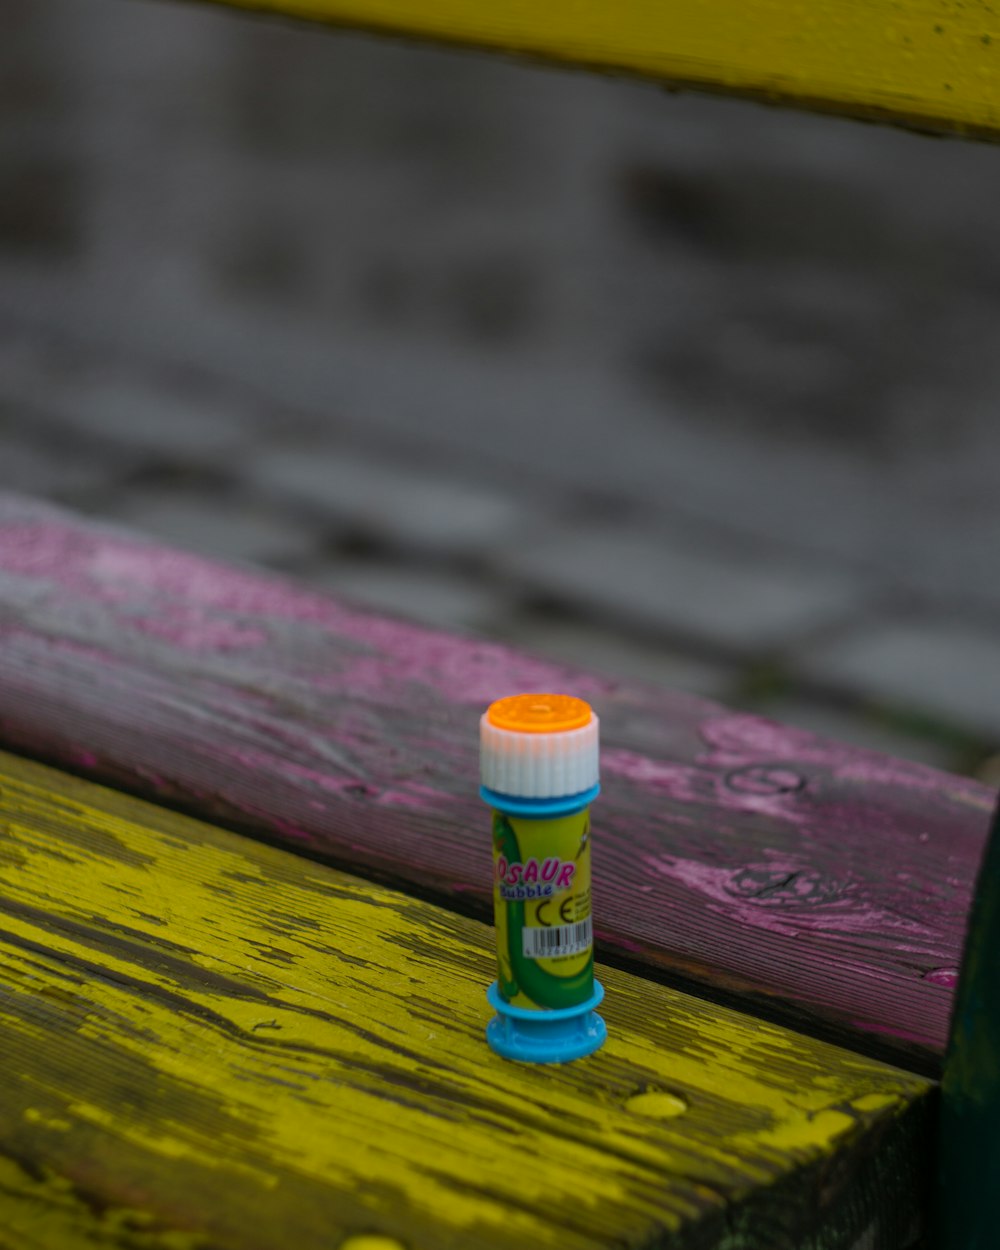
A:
430, 596
400, 505
941, 668
667, 583
609, 652
227, 529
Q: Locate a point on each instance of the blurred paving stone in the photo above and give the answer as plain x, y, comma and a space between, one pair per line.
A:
753, 322
142, 412
955, 566
859, 728
429, 596
943, 669
988, 771
728, 598
224, 528
607, 651
41, 198
400, 505
34, 466
20, 353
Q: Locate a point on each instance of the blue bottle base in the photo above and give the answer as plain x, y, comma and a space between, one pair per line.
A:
545, 1036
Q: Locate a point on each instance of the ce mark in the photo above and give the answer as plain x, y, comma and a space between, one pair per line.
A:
564, 911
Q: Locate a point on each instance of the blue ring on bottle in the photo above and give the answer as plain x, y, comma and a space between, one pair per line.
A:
545, 1036
564, 805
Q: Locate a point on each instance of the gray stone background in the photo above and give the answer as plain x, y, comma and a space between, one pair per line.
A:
682, 388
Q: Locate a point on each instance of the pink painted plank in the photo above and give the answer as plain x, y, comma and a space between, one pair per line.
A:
811, 882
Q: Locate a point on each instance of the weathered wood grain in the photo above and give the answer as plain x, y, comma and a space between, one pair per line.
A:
932, 65
212, 1043
824, 886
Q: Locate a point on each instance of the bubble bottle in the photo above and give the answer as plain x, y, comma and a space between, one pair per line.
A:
539, 772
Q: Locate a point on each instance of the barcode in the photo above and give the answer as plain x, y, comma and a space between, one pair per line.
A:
567, 939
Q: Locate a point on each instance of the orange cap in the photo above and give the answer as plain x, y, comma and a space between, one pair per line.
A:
539, 713
539, 746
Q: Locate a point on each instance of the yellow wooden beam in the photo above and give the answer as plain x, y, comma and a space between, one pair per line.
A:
208, 1042
926, 63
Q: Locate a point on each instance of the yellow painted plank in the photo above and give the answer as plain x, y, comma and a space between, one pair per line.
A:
926, 63
208, 1043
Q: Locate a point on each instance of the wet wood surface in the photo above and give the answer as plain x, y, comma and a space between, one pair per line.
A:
209, 1044
809, 882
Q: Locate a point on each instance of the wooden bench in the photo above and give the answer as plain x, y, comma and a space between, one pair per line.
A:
209, 1042
934, 66
212, 1042
168, 985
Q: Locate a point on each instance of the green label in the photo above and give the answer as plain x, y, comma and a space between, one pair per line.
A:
541, 901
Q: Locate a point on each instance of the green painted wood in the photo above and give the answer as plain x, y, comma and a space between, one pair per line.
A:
969, 1171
